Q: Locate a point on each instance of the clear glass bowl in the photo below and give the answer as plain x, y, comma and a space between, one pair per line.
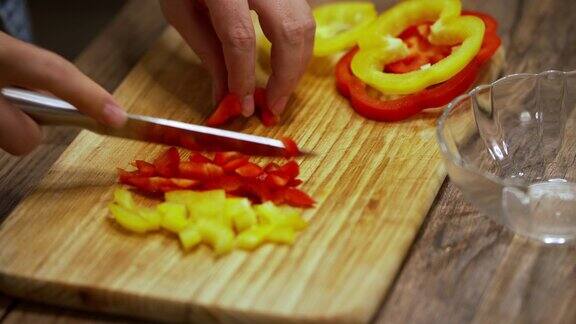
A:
510, 147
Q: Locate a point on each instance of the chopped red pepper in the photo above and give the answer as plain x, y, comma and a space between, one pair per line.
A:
290, 147
200, 171
167, 163
146, 169
406, 106
266, 116
235, 174
228, 109
298, 198
250, 170
199, 158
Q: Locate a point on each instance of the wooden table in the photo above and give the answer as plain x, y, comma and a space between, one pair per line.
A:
461, 268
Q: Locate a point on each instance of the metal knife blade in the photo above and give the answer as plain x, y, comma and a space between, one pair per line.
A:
51, 111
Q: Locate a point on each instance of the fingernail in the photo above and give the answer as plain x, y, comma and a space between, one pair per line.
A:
114, 115
248, 106
279, 105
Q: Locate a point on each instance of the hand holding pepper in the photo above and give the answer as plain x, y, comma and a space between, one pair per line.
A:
222, 35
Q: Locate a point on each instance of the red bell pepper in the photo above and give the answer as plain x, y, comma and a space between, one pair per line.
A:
266, 116
406, 106
230, 171
167, 163
228, 109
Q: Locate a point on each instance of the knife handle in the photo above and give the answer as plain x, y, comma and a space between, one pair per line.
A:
47, 110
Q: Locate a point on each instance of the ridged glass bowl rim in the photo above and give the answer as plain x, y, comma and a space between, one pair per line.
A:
454, 103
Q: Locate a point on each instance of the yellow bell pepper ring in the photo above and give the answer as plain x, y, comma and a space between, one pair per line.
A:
340, 25
381, 46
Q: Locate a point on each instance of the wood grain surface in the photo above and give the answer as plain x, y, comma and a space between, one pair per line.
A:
374, 183
456, 271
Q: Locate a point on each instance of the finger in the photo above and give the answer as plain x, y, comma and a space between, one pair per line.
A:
195, 27
19, 134
290, 27
233, 25
28, 66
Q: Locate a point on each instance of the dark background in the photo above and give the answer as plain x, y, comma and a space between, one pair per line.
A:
67, 26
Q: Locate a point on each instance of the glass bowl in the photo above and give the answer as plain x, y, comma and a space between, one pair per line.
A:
510, 147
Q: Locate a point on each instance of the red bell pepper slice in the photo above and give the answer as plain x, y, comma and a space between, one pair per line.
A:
235, 164
249, 170
228, 109
221, 158
199, 158
144, 168
406, 106
167, 163
200, 171
266, 116
298, 198
290, 147
290, 169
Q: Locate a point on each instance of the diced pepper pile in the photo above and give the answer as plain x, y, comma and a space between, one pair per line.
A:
231, 171
210, 218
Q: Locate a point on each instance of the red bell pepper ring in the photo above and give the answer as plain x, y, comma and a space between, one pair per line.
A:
406, 106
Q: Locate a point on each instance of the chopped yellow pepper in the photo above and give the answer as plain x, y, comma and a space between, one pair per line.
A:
380, 45
210, 218
174, 216
190, 237
253, 237
129, 219
240, 211
217, 235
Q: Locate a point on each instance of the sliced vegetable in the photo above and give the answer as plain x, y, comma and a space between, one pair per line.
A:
230, 171
174, 216
167, 163
240, 211
339, 25
266, 116
190, 237
129, 219
380, 45
253, 237
373, 107
219, 236
228, 109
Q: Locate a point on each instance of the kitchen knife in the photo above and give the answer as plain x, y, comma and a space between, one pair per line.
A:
50, 111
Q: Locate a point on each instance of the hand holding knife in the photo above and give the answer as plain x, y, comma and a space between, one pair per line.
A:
50, 111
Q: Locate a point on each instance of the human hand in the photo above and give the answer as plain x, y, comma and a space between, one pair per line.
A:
27, 66
222, 35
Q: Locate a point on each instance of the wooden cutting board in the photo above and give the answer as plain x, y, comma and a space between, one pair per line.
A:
374, 183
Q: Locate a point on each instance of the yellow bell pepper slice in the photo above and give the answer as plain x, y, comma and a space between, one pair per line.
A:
124, 198
339, 25
129, 219
380, 45
270, 214
152, 216
281, 235
217, 235
201, 204
253, 237
174, 216
190, 237
240, 212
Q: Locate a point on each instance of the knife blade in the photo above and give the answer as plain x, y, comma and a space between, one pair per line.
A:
50, 111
